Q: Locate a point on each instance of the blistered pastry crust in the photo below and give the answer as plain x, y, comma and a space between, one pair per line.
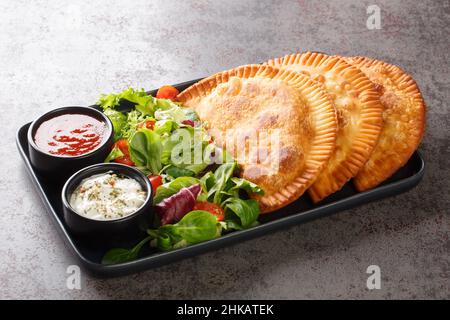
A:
404, 121
265, 98
359, 113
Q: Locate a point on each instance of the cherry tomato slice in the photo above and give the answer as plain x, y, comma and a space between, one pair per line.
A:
212, 208
125, 160
167, 92
122, 145
155, 181
149, 124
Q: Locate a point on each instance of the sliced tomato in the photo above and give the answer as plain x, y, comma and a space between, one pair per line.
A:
212, 208
155, 181
125, 160
149, 124
122, 145
167, 92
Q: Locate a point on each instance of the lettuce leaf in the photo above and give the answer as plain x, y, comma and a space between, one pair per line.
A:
168, 189
145, 150
119, 121
137, 97
196, 226
241, 214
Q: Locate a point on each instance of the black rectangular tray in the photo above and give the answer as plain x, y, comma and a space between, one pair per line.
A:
300, 211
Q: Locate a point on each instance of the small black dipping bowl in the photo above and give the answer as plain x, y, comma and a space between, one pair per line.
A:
60, 167
107, 230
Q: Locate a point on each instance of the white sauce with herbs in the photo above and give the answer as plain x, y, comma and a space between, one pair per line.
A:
107, 196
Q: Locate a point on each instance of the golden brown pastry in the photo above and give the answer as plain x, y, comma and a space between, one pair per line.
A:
359, 115
404, 121
268, 101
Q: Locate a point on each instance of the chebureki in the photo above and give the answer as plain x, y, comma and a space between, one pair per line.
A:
337, 118
359, 113
273, 103
404, 121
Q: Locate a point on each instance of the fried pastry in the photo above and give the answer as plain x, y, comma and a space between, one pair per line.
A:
404, 121
359, 115
264, 99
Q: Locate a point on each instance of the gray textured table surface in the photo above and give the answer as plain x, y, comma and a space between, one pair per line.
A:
56, 53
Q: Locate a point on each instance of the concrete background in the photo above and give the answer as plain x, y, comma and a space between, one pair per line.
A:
55, 53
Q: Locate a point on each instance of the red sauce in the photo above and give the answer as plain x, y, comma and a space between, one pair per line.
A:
70, 135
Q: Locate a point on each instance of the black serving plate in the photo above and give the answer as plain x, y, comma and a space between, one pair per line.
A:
300, 211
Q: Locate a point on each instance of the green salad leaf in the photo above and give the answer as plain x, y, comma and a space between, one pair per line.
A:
241, 214
119, 121
208, 180
114, 154
221, 177
181, 148
243, 184
174, 113
134, 118
164, 127
121, 255
171, 149
196, 226
176, 172
191, 115
145, 150
164, 104
138, 97
169, 189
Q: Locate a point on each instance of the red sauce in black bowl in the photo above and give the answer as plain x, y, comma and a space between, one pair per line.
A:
70, 135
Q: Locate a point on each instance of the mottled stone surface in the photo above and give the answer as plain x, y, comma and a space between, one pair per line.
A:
54, 53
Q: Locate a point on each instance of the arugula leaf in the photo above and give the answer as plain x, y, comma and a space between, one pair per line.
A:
168, 189
145, 150
241, 214
120, 255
